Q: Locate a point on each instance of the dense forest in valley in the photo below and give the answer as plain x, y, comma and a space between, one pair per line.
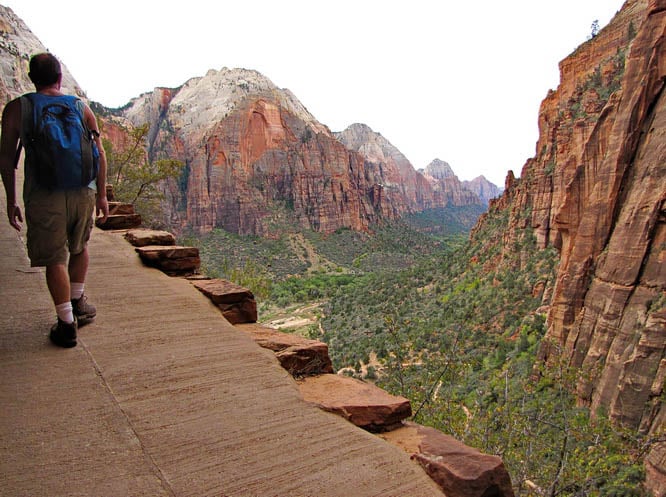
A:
424, 315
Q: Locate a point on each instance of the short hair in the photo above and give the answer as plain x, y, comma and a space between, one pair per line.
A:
44, 69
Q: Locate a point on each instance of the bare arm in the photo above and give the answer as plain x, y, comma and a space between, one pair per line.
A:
102, 203
11, 129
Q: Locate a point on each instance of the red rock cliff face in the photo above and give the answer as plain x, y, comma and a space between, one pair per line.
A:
597, 192
483, 188
254, 160
448, 189
607, 311
410, 190
257, 159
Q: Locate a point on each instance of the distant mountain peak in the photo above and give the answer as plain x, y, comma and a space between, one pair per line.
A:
363, 139
208, 99
485, 189
439, 169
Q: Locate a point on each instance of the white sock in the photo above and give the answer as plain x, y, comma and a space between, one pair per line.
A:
76, 290
65, 313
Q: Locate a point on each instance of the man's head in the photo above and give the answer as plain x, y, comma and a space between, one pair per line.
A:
44, 70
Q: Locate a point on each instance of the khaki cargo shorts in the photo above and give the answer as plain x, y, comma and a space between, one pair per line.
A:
59, 222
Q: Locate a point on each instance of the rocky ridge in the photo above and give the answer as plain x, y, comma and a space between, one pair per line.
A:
422, 190
210, 99
256, 157
447, 186
17, 43
485, 189
596, 191
439, 170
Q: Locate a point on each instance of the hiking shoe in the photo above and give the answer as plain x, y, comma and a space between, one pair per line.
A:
64, 334
83, 311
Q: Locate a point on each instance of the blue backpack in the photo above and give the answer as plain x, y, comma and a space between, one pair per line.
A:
59, 147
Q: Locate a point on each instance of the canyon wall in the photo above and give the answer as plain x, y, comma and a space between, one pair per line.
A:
419, 190
17, 44
484, 189
449, 190
258, 161
596, 190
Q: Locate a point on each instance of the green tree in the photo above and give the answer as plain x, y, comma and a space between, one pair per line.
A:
135, 178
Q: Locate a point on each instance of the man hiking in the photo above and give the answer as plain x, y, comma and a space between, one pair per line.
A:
61, 190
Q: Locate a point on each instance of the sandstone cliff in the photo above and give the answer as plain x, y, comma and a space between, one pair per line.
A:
17, 44
257, 160
484, 189
386, 162
449, 190
420, 189
596, 191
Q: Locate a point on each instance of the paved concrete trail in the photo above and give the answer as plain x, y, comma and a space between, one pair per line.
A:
162, 397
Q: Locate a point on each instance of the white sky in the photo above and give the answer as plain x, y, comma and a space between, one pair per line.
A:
460, 80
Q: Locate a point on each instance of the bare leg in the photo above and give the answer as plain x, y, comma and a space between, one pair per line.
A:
58, 276
78, 267
57, 279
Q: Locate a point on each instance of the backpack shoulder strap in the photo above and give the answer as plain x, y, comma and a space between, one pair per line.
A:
79, 105
27, 125
27, 119
82, 113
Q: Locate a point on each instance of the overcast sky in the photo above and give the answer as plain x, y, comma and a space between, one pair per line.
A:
461, 81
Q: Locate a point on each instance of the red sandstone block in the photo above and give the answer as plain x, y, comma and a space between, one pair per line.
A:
120, 222
363, 404
236, 303
459, 470
145, 237
298, 355
174, 260
120, 208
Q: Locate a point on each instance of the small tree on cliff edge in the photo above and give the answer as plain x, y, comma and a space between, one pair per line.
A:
135, 178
